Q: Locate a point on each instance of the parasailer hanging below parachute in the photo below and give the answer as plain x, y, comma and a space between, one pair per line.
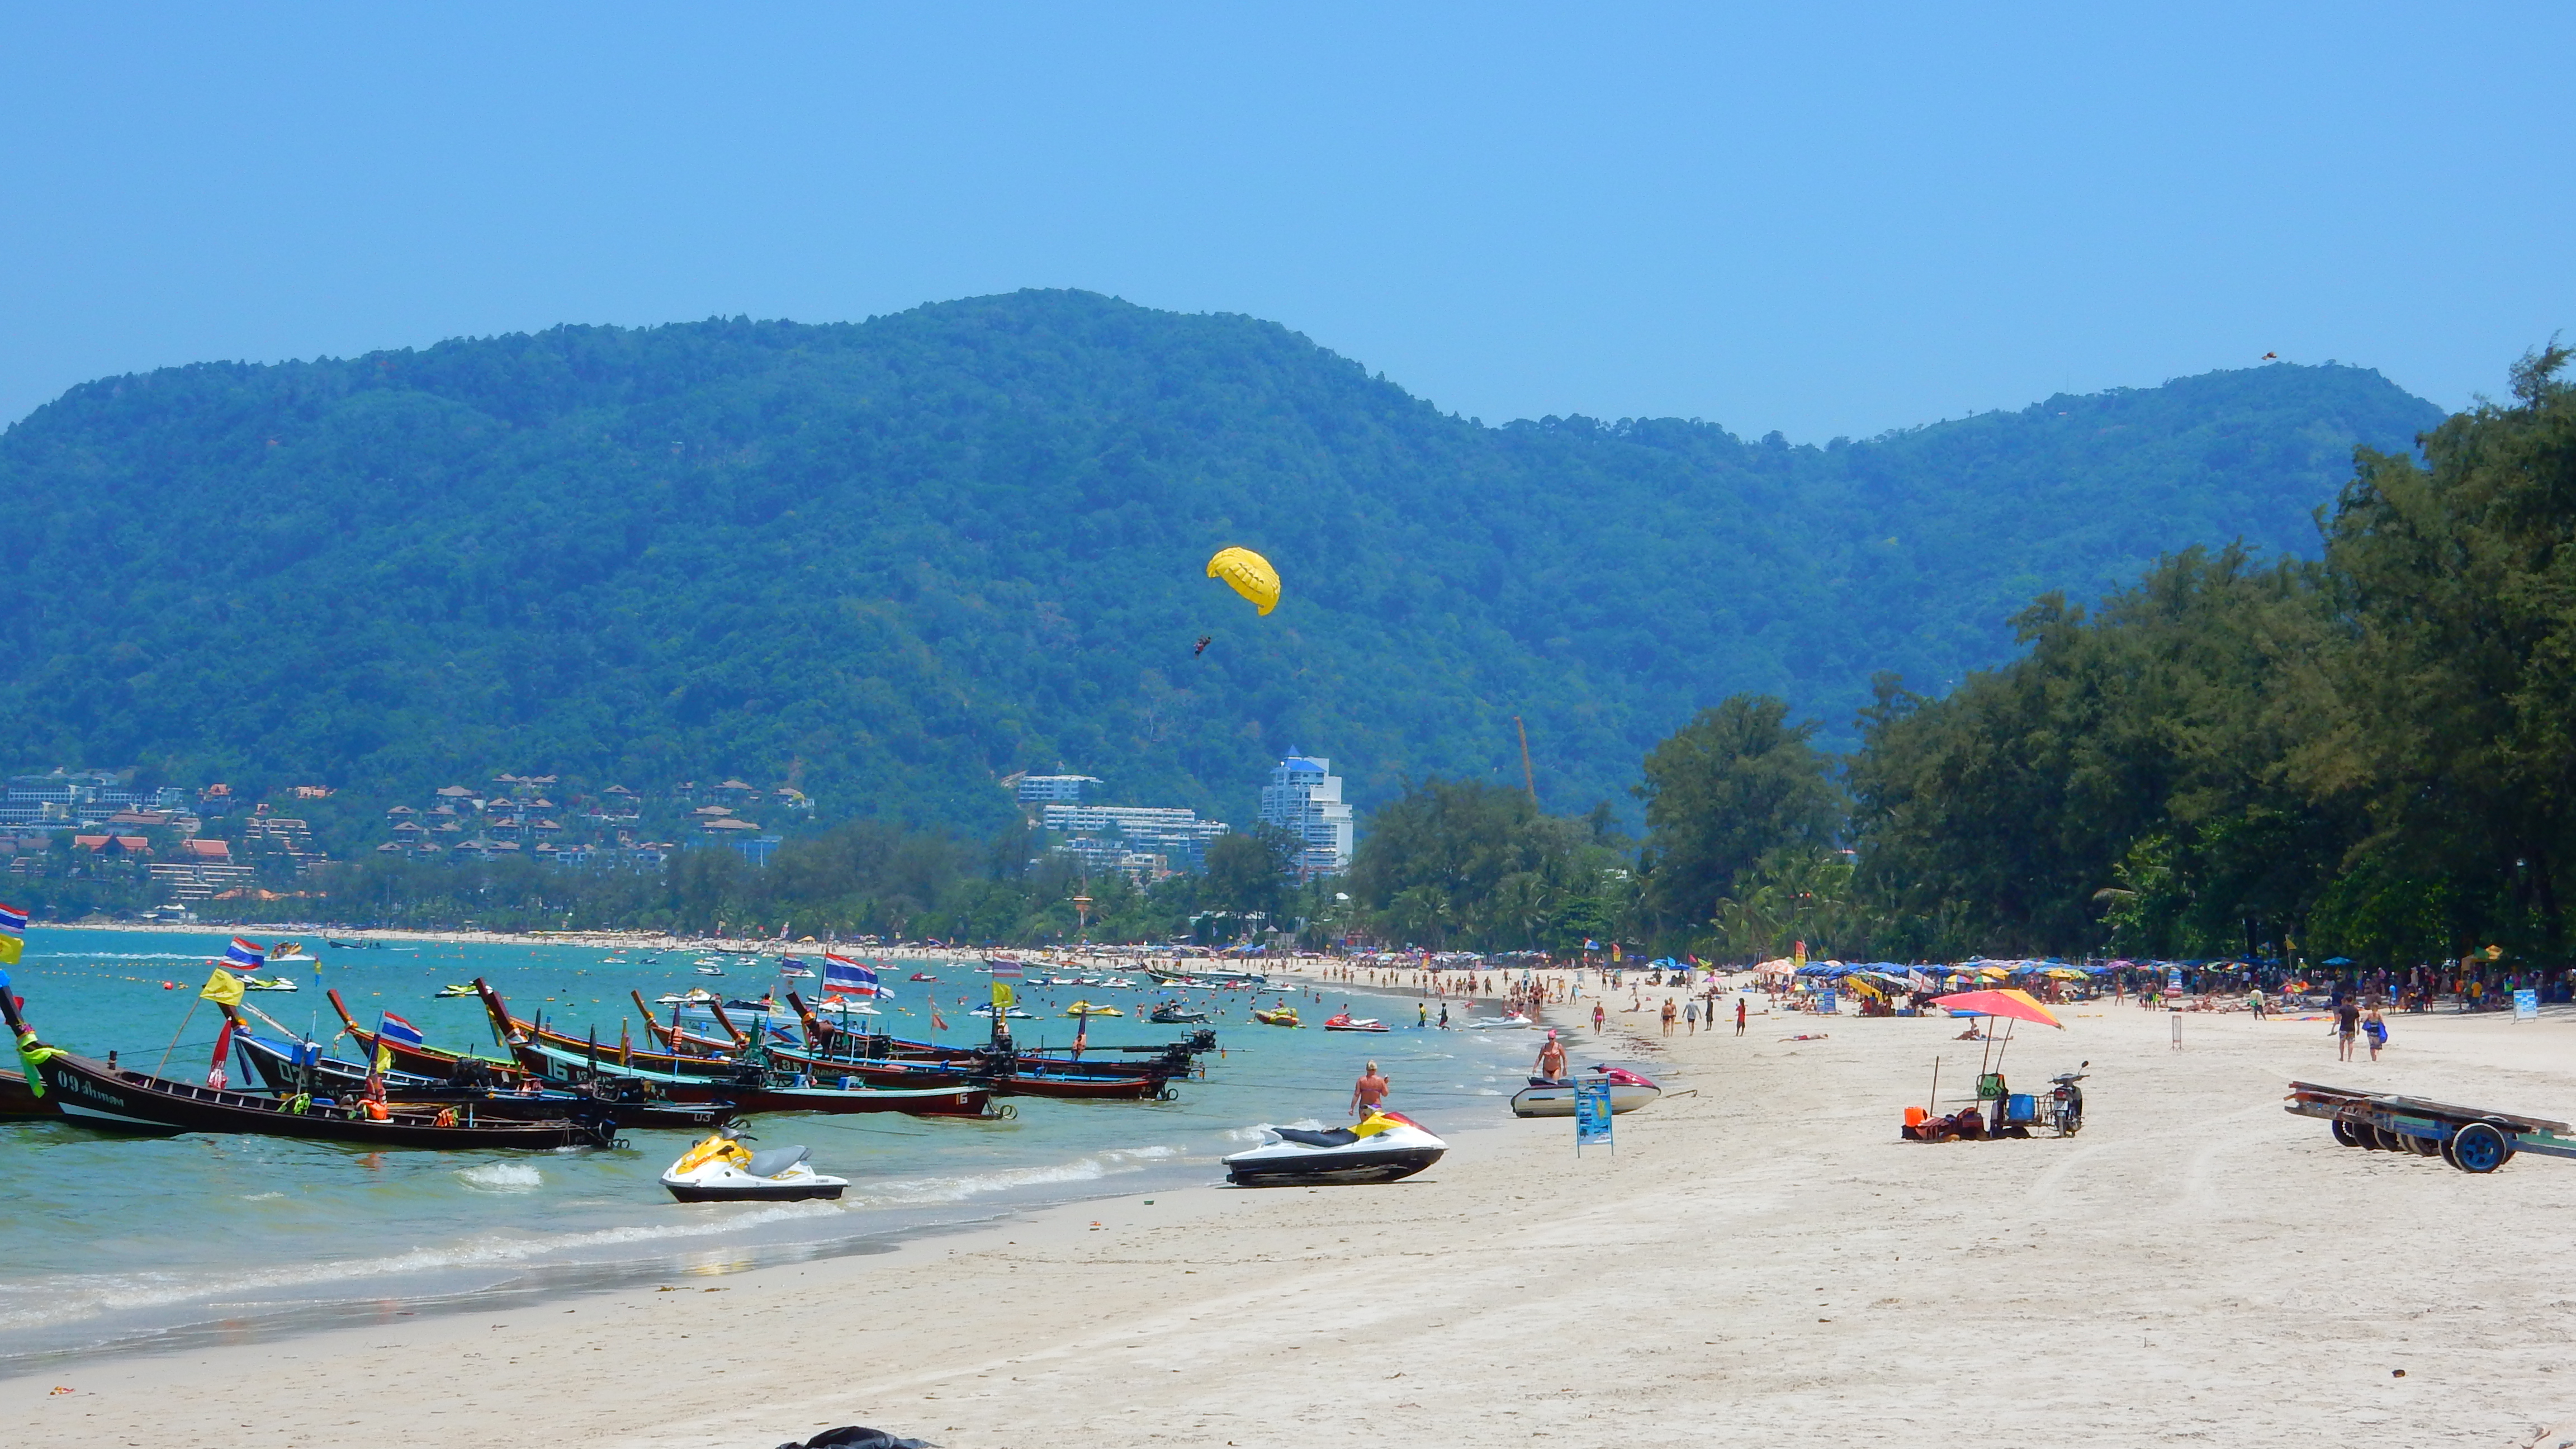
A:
1249, 574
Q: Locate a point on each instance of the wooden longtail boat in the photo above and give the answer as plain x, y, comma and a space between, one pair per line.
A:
277, 1069
422, 1060
95, 1094
1162, 1063
756, 1095
518, 1032
1033, 1078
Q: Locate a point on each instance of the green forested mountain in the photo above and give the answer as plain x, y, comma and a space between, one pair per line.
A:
919, 553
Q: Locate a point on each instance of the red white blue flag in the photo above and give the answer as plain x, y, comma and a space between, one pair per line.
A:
845, 977
244, 955
398, 1031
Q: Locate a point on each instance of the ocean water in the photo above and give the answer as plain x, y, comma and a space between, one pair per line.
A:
117, 1243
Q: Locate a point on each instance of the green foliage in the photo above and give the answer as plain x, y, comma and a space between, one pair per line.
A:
2368, 755
1475, 865
1735, 785
925, 551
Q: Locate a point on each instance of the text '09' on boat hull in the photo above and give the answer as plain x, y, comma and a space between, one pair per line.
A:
1383, 1147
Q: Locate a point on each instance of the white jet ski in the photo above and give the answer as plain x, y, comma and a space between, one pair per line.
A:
1554, 1097
1383, 1146
721, 1169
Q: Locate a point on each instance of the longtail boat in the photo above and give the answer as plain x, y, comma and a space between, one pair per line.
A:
754, 1094
518, 1032
839, 1043
288, 1070
425, 1061
95, 1094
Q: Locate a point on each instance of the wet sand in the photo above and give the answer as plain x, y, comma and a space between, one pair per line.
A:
1759, 1262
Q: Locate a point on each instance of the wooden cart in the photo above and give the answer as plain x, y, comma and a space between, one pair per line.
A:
2472, 1139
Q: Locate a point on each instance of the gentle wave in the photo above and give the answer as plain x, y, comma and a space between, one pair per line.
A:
63, 1298
502, 1177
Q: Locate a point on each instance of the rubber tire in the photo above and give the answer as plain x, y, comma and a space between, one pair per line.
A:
2386, 1140
2480, 1148
2423, 1146
2344, 1134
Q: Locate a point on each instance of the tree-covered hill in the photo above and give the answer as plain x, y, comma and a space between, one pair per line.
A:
920, 553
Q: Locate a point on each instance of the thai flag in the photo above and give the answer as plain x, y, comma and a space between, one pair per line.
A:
845, 977
244, 955
398, 1031
13, 921
1006, 970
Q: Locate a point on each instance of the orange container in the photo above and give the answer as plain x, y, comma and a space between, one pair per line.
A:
1914, 1116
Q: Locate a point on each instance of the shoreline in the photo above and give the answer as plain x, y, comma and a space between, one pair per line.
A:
1756, 1260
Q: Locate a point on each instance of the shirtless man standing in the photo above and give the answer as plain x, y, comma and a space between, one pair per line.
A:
1369, 1092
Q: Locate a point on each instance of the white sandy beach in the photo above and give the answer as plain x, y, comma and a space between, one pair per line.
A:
1760, 1262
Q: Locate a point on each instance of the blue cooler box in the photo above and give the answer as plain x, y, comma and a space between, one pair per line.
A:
2021, 1107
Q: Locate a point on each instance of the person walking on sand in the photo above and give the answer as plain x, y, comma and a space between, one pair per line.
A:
1551, 1058
2254, 1002
1739, 1016
1599, 1016
1668, 1014
1369, 1091
2375, 1027
1690, 1019
2347, 1026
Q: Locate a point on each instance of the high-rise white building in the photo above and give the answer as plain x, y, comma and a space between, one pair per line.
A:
1304, 797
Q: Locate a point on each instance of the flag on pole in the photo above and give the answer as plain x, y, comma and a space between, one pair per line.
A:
384, 1057
223, 1048
246, 955
1002, 997
13, 935
394, 1029
845, 977
222, 987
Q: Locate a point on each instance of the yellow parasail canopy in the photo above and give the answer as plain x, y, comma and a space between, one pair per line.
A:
1250, 575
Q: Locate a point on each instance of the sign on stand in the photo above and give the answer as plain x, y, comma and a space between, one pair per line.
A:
1592, 1114
2526, 1004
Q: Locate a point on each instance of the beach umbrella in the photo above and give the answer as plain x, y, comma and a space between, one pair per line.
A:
2007, 1002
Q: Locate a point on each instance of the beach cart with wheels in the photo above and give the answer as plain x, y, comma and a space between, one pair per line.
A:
2472, 1139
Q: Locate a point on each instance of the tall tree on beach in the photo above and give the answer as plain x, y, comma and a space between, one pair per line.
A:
1736, 783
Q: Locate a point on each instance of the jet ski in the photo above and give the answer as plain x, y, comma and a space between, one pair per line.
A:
1383, 1146
721, 1169
1554, 1096
1282, 1016
1014, 1014
1176, 1016
1513, 1022
456, 988
1086, 1008
1341, 1021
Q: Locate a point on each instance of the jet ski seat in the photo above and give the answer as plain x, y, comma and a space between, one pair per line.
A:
776, 1160
1337, 1137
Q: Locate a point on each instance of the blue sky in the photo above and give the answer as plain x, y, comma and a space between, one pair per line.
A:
1840, 221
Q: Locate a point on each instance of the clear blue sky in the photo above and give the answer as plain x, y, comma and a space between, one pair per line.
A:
1838, 222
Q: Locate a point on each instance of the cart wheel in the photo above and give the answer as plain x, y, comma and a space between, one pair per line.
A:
2479, 1147
2388, 1141
2444, 1151
2344, 1134
2423, 1146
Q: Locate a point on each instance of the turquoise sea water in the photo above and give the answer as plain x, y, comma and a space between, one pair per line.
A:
120, 1242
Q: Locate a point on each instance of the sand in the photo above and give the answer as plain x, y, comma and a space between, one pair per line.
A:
1760, 1262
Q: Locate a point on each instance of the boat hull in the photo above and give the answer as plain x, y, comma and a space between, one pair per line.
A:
89, 1093
1559, 1101
1353, 1165
771, 1192
17, 1099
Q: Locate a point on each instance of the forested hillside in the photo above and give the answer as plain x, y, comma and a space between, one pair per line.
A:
913, 555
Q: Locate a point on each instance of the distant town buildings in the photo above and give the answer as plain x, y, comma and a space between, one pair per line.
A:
1145, 842
1304, 798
